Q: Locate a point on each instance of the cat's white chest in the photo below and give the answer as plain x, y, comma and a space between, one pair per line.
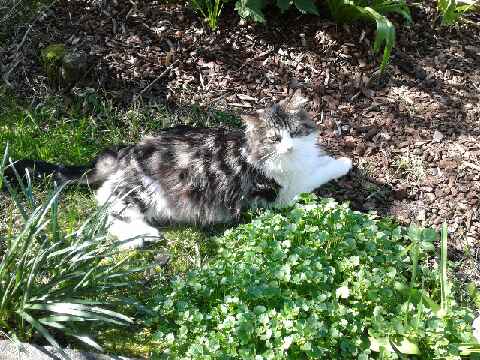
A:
304, 168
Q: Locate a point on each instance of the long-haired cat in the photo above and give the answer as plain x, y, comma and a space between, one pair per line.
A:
205, 176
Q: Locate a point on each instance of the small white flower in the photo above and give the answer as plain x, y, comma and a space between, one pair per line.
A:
342, 292
170, 338
310, 207
355, 260
476, 328
287, 341
288, 324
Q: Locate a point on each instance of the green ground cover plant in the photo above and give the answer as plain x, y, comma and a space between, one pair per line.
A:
210, 10
342, 11
316, 280
347, 11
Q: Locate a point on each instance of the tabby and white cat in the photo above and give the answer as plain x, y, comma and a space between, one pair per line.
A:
205, 176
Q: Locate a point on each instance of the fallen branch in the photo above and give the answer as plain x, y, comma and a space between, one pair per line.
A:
8, 72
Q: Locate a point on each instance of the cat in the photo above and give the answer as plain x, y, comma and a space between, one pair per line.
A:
198, 176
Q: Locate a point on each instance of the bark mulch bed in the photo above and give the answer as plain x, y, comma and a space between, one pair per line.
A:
413, 132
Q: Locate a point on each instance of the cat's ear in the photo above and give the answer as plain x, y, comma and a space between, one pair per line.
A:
294, 102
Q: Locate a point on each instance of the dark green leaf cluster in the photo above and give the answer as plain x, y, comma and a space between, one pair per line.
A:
452, 10
254, 8
314, 281
348, 11
343, 11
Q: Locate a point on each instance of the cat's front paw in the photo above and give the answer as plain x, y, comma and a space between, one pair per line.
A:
344, 165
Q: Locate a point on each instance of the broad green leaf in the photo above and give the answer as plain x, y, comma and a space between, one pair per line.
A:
385, 35
379, 344
429, 235
306, 6
406, 347
251, 9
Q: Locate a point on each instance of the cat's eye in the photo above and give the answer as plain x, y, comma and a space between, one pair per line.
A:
275, 138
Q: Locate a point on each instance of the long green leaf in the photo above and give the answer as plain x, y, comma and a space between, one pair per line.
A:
86, 340
62, 318
42, 330
443, 270
385, 35
81, 310
3, 164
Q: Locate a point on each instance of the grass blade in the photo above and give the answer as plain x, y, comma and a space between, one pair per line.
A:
88, 312
443, 270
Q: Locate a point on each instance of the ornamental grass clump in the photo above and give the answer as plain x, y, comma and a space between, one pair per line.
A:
316, 281
56, 285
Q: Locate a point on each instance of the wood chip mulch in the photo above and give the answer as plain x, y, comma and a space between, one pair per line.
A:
413, 132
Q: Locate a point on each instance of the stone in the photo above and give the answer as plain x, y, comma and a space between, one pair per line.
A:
15, 351
74, 67
64, 67
437, 136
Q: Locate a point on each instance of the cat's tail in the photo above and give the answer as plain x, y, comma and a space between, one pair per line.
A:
95, 173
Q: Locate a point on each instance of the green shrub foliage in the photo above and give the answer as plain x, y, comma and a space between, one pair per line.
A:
452, 10
315, 281
254, 8
342, 11
348, 11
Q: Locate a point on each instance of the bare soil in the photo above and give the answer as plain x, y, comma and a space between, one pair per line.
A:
413, 131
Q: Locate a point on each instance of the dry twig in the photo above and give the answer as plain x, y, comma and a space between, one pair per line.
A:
148, 87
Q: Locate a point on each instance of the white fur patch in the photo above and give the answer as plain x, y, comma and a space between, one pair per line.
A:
133, 234
134, 231
303, 168
286, 143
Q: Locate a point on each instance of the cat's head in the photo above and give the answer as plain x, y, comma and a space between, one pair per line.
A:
276, 131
